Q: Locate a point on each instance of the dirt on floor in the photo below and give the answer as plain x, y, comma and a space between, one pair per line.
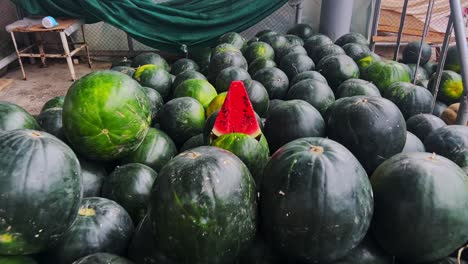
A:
42, 84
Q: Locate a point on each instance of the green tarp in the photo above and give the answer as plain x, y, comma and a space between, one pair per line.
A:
171, 26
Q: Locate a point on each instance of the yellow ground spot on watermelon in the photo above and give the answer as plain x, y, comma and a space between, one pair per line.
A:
141, 69
6, 238
85, 211
36, 134
453, 67
366, 61
261, 50
453, 89
316, 149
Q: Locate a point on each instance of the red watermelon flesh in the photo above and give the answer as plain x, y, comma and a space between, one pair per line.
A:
236, 114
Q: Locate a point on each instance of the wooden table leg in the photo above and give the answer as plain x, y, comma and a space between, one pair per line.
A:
63, 37
86, 47
40, 45
18, 54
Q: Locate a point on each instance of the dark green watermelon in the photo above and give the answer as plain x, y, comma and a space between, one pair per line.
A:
225, 60
337, 69
353, 87
186, 75
295, 63
410, 99
182, 118
13, 117
325, 50
294, 40
258, 96
366, 125
431, 67
202, 56
41, 190
450, 87
352, 37
385, 73
308, 75
303, 31
452, 62
154, 77
250, 41
422, 83
423, 124
420, 75
316, 201
101, 226
356, 51
17, 260
450, 142
258, 50
263, 32
232, 38
434, 191
150, 58
411, 53
274, 80
130, 185
54, 102
156, 102
124, 69
103, 258
106, 115
259, 64
122, 62
291, 120
275, 40
316, 93
367, 252
223, 47
50, 121
193, 142
184, 64
226, 76
190, 205
92, 175
413, 144
155, 151
290, 49
314, 42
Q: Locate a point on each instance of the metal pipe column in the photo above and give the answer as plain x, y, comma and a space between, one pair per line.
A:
400, 30
375, 23
335, 17
423, 38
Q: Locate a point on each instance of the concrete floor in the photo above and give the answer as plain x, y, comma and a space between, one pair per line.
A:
42, 84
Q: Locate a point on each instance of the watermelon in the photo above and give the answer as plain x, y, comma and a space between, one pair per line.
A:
17, 260
143, 248
190, 205
202, 56
303, 31
154, 77
201, 90
93, 175
275, 40
294, 40
125, 70
14, 117
356, 51
410, 99
130, 186
193, 142
150, 58
274, 80
385, 73
182, 118
439, 108
258, 96
263, 32
308, 75
122, 62
434, 191
450, 87
337, 69
51, 122
365, 125
223, 47
228, 75
450, 142
289, 49
273, 103
291, 120
101, 226
306, 174
314, 42
422, 83
295, 63
97, 107
452, 61
411, 53
259, 64
259, 253
431, 67
422, 125
41, 190
420, 75
367, 252
353, 87
232, 38
413, 144
250, 41
322, 51
102, 258
225, 60
54, 102
316, 93
187, 75
216, 103
366, 60
352, 37
258, 50
156, 102
184, 64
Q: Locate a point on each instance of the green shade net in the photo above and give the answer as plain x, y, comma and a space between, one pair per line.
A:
173, 26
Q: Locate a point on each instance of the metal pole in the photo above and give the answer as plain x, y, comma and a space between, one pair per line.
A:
299, 8
335, 17
400, 30
460, 37
423, 39
130, 45
440, 66
375, 23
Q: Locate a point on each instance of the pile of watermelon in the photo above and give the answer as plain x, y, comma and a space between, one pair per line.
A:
286, 148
